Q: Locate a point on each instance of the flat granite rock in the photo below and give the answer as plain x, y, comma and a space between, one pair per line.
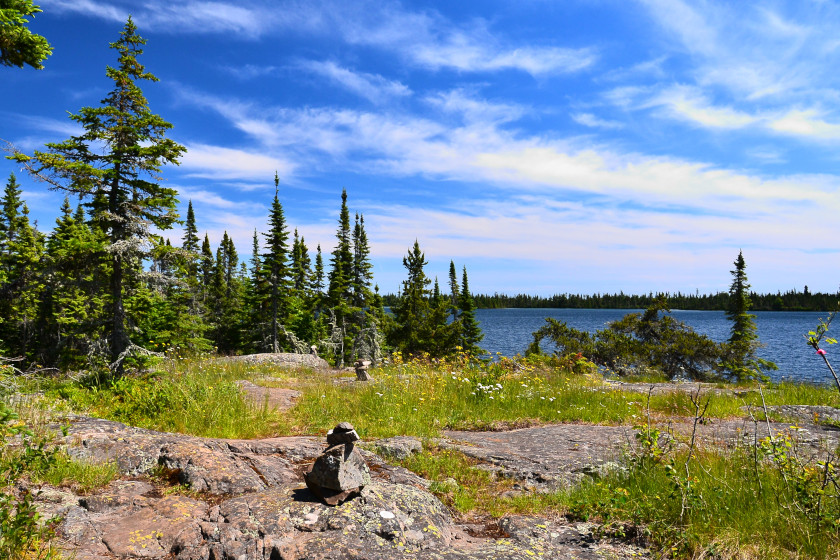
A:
387, 521
546, 458
284, 359
214, 466
252, 505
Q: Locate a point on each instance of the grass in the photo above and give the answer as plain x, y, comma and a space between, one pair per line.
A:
199, 398
727, 505
82, 476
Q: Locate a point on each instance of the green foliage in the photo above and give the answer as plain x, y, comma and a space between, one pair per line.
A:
115, 164
71, 303
18, 45
740, 360
23, 534
82, 476
637, 343
421, 317
277, 277
816, 337
191, 396
730, 504
471, 335
21, 250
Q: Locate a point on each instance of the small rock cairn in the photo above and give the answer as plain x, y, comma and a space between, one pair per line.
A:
362, 367
340, 472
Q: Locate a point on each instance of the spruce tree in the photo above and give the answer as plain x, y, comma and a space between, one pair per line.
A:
454, 290
362, 267
741, 361
340, 291
225, 298
191, 247
206, 266
190, 242
471, 334
318, 273
115, 163
340, 277
411, 312
301, 267
21, 250
276, 270
71, 301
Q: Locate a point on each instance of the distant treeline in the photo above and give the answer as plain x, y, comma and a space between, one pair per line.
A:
780, 301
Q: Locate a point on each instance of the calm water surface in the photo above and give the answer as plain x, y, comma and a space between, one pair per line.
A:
508, 331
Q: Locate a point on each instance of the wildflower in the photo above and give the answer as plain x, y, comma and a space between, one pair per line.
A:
821, 352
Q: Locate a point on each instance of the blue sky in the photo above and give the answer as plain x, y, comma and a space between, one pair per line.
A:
577, 146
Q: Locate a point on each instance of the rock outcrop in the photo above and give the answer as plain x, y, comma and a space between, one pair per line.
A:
245, 500
283, 359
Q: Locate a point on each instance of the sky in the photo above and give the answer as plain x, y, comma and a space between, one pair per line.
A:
575, 146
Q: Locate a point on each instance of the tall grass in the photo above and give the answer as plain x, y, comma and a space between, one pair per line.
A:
193, 397
421, 400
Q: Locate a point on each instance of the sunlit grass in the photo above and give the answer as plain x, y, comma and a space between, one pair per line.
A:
197, 397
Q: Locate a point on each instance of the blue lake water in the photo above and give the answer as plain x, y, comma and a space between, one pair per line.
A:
508, 331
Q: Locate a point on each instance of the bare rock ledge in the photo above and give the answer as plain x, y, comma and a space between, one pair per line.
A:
247, 501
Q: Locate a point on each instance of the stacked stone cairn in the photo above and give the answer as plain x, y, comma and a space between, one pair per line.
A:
340, 472
362, 367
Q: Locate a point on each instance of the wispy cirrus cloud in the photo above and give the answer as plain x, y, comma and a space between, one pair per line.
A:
486, 150
590, 120
192, 16
689, 104
425, 38
220, 163
372, 87
806, 123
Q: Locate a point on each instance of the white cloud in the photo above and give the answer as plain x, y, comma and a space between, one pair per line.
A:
215, 162
102, 10
432, 41
250, 71
806, 123
425, 38
687, 103
372, 87
192, 16
461, 102
590, 120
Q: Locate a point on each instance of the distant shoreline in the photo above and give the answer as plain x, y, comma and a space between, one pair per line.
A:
779, 301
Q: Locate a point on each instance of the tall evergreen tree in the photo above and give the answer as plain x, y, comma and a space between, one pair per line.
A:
340, 290
454, 290
411, 312
206, 266
340, 277
190, 242
362, 267
471, 334
21, 250
276, 270
115, 162
226, 298
741, 361
318, 273
301, 267
71, 301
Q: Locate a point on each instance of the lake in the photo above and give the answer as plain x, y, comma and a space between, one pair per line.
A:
508, 331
